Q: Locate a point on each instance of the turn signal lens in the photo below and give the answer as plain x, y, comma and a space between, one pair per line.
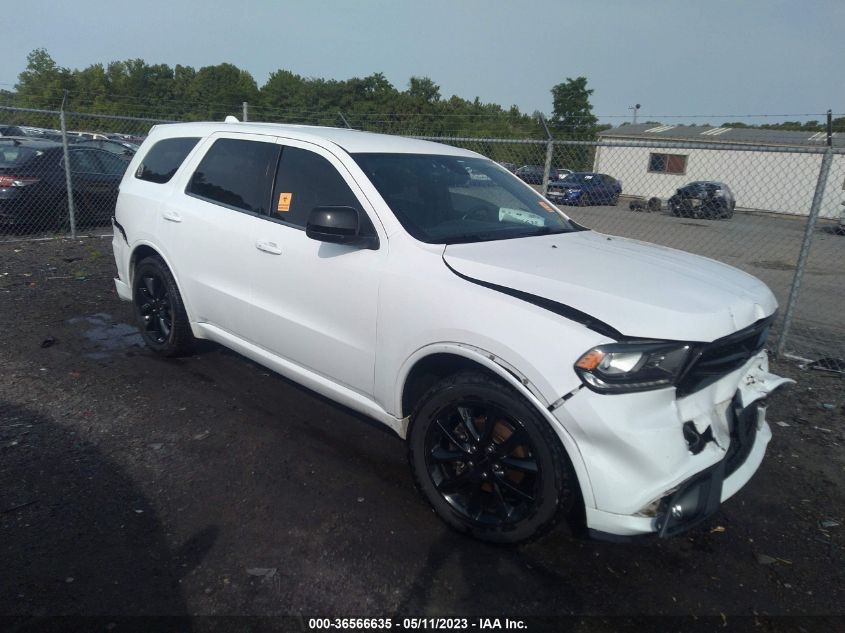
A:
590, 360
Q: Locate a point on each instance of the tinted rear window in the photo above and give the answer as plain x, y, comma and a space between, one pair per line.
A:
236, 173
164, 158
12, 155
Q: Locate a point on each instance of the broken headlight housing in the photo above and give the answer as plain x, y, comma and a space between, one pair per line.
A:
630, 367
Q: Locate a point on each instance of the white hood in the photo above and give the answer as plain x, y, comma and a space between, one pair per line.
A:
639, 289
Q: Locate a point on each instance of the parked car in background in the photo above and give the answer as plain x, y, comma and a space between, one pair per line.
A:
511, 167
703, 199
126, 138
10, 130
122, 149
532, 174
585, 187
31, 132
33, 189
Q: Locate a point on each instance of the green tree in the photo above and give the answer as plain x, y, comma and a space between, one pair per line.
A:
572, 113
219, 90
284, 90
158, 91
92, 89
43, 82
573, 118
423, 90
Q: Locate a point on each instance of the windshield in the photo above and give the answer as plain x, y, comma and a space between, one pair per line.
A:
454, 199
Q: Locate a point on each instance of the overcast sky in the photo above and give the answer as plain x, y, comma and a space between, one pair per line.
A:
704, 60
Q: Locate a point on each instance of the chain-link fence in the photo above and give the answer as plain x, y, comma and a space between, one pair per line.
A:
767, 205
60, 172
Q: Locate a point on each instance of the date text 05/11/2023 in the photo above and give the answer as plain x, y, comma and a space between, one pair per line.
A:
415, 624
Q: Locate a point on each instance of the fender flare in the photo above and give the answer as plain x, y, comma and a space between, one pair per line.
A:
132, 254
515, 379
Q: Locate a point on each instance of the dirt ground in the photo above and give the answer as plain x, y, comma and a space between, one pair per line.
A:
131, 485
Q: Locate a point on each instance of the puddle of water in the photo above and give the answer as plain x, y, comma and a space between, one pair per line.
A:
106, 336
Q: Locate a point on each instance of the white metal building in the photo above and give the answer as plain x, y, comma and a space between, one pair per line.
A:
768, 170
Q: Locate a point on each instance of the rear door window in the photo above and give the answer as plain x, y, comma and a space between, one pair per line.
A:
111, 164
164, 158
236, 173
84, 161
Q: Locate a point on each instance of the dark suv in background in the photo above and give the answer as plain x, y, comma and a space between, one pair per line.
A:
703, 199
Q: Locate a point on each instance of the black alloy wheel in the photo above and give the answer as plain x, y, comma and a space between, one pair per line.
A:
486, 460
482, 462
155, 307
159, 310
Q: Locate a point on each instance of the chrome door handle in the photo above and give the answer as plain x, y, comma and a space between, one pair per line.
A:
171, 216
268, 247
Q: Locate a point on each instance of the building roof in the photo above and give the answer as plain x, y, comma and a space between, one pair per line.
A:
710, 134
353, 141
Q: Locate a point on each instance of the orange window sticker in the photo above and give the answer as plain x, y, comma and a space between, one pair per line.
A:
547, 206
284, 202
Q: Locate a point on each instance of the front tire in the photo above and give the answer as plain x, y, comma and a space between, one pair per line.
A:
159, 309
487, 462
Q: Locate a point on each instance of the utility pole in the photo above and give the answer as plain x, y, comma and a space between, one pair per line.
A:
634, 107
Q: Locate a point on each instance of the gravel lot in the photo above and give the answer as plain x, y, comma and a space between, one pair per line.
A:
130, 485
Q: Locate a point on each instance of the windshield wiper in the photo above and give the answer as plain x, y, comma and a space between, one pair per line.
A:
544, 230
472, 237
501, 235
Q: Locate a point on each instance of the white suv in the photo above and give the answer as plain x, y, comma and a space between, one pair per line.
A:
535, 368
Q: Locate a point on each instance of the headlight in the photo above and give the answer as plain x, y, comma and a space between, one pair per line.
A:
628, 367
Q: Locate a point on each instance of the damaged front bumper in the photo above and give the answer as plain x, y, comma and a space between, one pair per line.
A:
660, 463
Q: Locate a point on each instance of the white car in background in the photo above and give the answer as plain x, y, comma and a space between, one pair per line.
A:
534, 367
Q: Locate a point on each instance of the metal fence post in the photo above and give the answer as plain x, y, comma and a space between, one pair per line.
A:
343, 118
68, 181
815, 209
550, 148
246, 111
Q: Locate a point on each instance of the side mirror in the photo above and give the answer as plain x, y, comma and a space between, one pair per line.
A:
340, 225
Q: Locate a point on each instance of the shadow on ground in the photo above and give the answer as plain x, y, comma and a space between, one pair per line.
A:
78, 538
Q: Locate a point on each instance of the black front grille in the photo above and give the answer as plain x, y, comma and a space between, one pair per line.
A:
713, 360
743, 424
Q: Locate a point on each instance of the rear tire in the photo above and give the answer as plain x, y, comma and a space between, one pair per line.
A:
159, 309
487, 462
